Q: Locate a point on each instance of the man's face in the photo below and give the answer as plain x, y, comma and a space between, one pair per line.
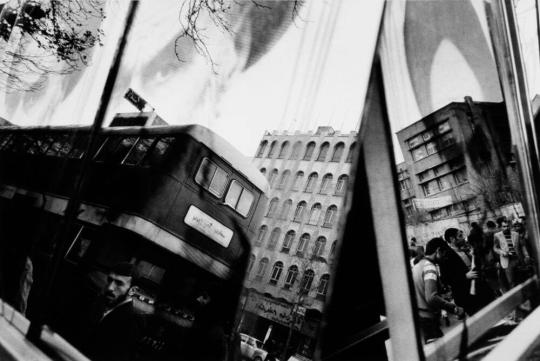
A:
460, 239
441, 255
505, 227
116, 288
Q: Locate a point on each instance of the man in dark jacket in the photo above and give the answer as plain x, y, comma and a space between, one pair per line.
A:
116, 326
456, 271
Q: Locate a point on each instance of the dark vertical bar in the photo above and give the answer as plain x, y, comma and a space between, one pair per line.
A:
537, 17
74, 202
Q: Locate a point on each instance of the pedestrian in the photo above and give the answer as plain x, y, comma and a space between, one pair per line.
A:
419, 254
480, 291
116, 328
511, 251
456, 269
491, 267
428, 289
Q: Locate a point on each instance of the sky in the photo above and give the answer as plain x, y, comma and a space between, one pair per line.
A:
314, 74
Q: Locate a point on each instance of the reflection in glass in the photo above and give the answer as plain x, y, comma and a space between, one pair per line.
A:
200, 204
456, 160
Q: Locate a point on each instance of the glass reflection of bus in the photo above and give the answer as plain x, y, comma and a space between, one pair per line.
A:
177, 201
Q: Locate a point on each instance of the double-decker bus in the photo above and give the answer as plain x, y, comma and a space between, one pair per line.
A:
178, 202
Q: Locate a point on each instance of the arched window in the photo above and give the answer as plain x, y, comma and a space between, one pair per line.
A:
350, 155
312, 180
272, 177
325, 184
323, 151
292, 274
302, 244
315, 214
262, 268
309, 151
307, 280
276, 273
262, 148
263, 170
287, 241
285, 209
333, 249
330, 216
274, 236
299, 212
250, 264
272, 150
284, 150
341, 184
298, 180
261, 236
284, 179
297, 147
318, 248
338, 152
272, 208
323, 285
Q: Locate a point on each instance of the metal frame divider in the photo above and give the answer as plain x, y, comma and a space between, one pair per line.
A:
512, 73
388, 223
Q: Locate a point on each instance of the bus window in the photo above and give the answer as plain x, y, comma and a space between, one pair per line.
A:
156, 154
4, 140
239, 198
19, 143
57, 144
80, 245
39, 145
139, 151
115, 149
65, 148
211, 177
79, 146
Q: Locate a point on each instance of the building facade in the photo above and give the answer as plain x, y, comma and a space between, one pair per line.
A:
289, 270
458, 168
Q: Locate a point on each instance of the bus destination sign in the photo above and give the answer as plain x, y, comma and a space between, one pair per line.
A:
208, 226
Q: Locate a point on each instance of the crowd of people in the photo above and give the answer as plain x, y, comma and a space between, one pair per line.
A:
458, 274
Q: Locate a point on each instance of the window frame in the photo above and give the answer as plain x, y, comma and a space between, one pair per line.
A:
291, 276
225, 187
323, 152
242, 191
336, 158
290, 240
277, 268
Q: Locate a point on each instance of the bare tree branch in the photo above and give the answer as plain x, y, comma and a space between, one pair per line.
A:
48, 38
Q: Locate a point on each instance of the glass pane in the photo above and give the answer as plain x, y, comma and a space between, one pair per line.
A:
106, 152
246, 200
5, 140
456, 161
79, 146
157, 154
205, 173
139, 151
233, 194
198, 84
219, 182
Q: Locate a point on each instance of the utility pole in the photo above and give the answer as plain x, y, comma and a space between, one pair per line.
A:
293, 318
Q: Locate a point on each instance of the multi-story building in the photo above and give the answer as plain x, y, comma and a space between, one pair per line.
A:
406, 189
289, 269
457, 163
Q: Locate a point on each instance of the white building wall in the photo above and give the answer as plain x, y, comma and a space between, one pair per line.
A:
324, 134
